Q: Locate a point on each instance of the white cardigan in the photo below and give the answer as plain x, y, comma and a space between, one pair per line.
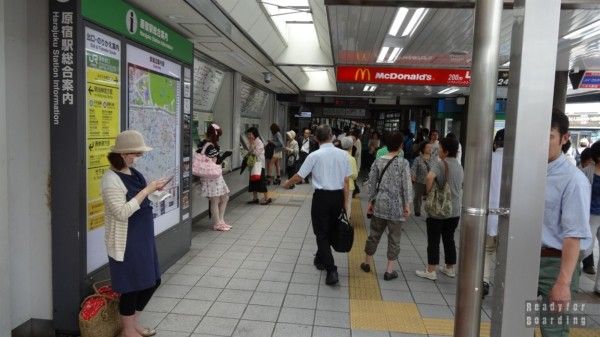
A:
116, 214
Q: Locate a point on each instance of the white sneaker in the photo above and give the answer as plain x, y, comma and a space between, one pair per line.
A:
431, 275
448, 271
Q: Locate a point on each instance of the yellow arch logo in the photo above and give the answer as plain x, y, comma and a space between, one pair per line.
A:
363, 73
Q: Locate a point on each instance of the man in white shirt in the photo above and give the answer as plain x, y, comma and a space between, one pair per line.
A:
330, 173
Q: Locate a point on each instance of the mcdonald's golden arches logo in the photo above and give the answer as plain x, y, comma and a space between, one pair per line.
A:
363, 73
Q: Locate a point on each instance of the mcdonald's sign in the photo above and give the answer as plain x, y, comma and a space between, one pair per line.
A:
406, 76
362, 74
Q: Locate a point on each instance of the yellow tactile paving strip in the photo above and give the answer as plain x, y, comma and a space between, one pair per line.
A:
368, 311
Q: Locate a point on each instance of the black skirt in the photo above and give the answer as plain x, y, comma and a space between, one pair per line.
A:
258, 186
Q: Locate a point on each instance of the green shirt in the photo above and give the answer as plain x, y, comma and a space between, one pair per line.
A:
384, 150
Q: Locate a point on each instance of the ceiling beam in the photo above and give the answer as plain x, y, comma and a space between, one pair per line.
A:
508, 4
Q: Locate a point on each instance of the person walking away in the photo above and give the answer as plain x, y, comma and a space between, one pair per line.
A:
592, 172
409, 140
459, 153
291, 151
491, 239
443, 227
257, 148
565, 227
277, 142
346, 144
435, 143
374, 144
331, 172
390, 195
357, 154
419, 171
215, 190
584, 143
129, 237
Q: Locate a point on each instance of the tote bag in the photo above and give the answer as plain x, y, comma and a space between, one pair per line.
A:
256, 172
204, 167
439, 200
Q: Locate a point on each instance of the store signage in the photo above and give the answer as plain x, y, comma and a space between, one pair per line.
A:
123, 18
410, 76
590, 80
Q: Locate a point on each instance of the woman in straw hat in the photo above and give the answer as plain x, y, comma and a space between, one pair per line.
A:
129, 237
291, 150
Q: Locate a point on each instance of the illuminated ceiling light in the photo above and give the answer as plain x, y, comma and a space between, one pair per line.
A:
398, 21
415, 21
369, 88
504, 65
394, 55
590, 30
382, 53
449, 91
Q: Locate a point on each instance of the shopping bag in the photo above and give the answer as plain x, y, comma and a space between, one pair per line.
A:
342, 236
256, 172
99, 315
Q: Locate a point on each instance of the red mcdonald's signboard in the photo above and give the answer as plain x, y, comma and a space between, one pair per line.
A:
407, 76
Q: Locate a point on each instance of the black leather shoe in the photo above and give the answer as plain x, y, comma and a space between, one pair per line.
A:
332, 278
486, 289
589, 270
318, 264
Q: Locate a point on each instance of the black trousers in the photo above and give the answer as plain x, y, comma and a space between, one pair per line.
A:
588, 261
445, 229
326, 207
134, 301
301, 159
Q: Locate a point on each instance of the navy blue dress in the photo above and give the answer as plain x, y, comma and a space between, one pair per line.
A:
139, 269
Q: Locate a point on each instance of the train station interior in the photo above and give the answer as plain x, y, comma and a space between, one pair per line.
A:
75, 74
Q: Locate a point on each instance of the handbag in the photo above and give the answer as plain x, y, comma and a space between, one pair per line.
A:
256, 172
99, 315
343, 235
205, 167
291, 160
439, 200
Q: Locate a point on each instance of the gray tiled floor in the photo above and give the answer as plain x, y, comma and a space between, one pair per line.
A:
258, 279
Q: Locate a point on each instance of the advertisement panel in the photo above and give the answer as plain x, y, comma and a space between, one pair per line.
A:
154, 109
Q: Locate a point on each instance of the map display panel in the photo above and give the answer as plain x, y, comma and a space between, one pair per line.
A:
154, 109
207, 84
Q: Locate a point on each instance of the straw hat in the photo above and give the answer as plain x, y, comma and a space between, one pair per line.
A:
130, 141
291, 134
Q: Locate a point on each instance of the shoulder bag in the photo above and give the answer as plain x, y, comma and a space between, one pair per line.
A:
439, 200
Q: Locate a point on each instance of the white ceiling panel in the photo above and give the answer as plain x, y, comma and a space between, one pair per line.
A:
199, 29
228, 5
246, 13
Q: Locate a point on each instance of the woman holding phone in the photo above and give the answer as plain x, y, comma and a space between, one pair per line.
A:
133, 261
215, 190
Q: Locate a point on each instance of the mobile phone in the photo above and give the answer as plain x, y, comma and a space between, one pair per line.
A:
169, 180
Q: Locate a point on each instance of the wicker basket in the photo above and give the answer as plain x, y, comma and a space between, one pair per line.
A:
106, 322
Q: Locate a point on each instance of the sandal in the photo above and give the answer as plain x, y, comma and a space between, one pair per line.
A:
365, 267
147, 332
221, 227
390, 276
225, 225
252, 202
268, 201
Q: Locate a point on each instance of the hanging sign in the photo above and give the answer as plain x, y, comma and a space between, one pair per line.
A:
590, 80
410, 76
134, 24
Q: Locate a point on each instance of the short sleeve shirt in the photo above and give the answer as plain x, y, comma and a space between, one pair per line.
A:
329, 167
456, 175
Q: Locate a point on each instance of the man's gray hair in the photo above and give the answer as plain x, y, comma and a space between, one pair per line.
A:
323, 133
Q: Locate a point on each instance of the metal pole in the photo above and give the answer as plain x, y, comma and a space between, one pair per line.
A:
480, 128
529, 108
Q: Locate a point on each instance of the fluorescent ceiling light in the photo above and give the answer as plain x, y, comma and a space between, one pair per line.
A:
394, 55
506, 64
449, 91
398, 21
587, 31
382, 53
369, 87
415, 21
313, 69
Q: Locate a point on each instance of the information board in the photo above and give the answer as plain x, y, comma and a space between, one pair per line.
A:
154, 109
103, 115
253, 100
207, 84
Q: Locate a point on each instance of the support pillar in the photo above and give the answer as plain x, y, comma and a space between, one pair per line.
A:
236, 120
561, 81
529, 109
5, 313
488, 18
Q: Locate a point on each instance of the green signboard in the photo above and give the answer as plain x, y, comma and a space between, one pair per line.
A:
134, 24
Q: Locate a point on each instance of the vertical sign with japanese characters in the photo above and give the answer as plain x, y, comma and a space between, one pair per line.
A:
186, 144
103, 115
62, 60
